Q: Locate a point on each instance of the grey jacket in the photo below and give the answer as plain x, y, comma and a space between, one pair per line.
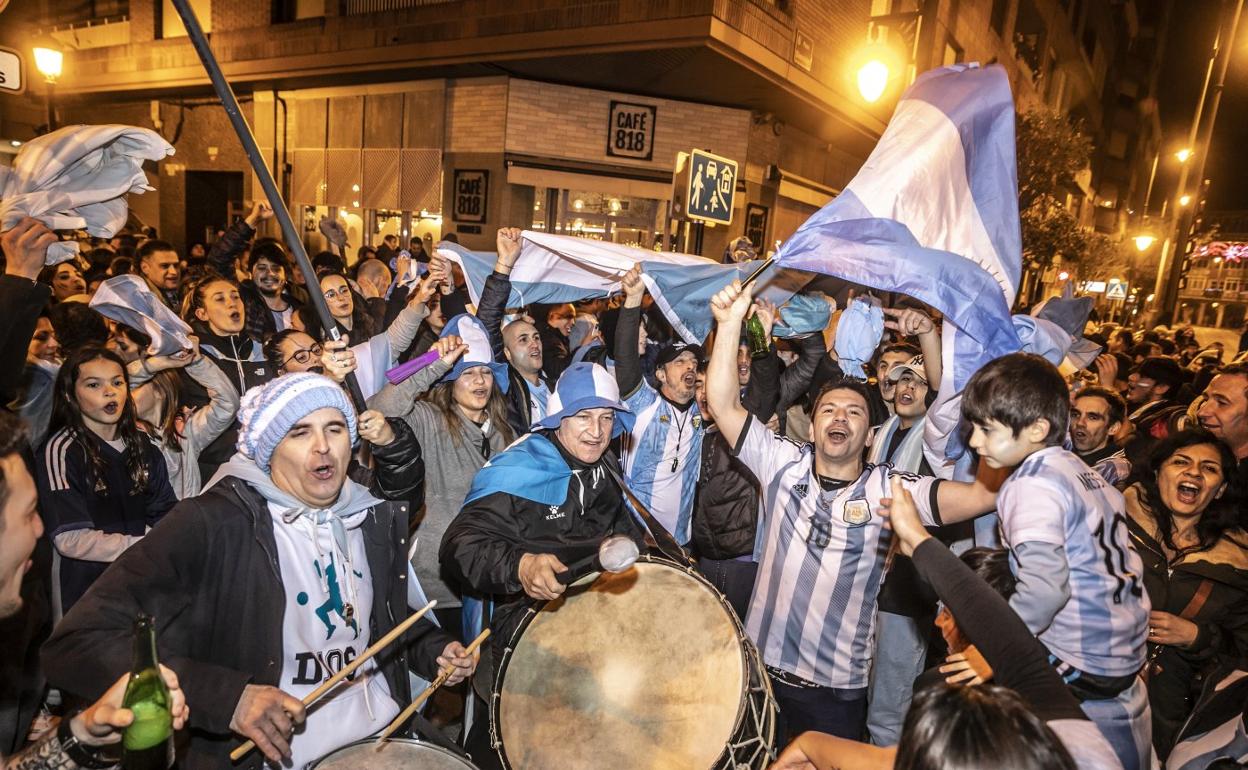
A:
450, 465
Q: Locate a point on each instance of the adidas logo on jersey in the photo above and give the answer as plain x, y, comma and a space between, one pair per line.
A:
800, 490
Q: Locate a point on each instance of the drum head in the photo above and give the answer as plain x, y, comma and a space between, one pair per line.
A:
641, 670
395, 754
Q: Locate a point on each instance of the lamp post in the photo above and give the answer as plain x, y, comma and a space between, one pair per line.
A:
1199, 139
49, 60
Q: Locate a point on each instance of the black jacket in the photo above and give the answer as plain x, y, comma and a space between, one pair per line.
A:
259, 323
490, 313
1176, 678
21, 299
725, 511
483, 545
239, 358
209, 574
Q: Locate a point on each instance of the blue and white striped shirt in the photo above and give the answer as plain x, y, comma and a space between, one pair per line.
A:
822, 563
1054, 498
660, 458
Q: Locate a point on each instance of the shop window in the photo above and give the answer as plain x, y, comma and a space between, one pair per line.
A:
600, 216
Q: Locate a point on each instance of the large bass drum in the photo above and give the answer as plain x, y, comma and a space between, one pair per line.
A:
395, 754
642, 670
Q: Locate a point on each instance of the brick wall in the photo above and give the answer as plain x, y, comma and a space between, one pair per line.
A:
557, 121
476, 115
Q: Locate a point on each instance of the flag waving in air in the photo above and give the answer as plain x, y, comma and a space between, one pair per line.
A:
934, 213
564, 268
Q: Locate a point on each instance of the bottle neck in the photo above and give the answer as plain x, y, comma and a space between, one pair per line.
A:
144, 645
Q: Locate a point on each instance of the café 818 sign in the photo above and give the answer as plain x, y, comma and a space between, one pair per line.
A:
630, 130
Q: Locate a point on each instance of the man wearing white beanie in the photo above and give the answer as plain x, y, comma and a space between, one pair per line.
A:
277, 576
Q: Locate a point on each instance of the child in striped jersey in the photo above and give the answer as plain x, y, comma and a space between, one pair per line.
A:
1079, 580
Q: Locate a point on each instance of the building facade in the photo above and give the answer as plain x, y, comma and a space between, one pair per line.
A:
425, 117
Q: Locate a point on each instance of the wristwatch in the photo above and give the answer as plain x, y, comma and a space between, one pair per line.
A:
83, 755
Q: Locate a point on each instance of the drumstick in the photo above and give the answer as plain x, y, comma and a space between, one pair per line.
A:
443, 675
347, 670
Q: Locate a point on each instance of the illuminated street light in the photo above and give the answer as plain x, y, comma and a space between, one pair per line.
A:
1184, 154
872, 79
1062, 276
1184, 200
1142, 242
49, 60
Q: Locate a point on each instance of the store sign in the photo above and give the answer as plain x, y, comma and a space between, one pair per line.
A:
12, 78
756, 226
472, 188
712, 185
1094, 287
630, 130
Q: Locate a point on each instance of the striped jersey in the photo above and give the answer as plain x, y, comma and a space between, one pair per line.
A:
660, 458
1053, 497
823, 554
1114, 469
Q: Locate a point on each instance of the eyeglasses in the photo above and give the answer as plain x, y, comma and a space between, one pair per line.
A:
304, 355
335, 293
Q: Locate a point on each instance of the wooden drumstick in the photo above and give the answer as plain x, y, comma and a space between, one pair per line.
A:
443, 675
347, 670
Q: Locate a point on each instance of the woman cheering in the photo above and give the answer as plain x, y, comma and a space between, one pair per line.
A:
1184, 525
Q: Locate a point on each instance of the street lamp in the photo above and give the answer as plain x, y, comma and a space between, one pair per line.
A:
49, 60
1184, 154
1185, 199
1142, 242
872, 80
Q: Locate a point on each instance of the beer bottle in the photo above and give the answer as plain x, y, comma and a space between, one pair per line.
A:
147, 743
757, 337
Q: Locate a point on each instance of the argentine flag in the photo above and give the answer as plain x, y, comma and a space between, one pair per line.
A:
564, 268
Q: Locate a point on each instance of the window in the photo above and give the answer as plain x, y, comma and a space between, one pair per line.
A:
1089, 42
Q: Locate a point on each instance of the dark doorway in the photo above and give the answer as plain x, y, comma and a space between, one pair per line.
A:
209, 196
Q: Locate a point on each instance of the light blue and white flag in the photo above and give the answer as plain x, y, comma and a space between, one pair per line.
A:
128, 300
563, 268
934, 214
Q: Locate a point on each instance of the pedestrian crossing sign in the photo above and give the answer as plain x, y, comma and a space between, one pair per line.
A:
1116, 290
711, 188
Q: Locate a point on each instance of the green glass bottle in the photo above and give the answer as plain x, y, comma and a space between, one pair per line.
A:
148, 742
759, 346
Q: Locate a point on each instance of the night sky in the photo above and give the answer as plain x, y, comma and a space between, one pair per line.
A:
1191, 32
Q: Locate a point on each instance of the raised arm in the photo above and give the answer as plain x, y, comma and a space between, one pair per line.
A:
628, 334
796, 380
223, 400
1019, 661
498, 288
729, 306
912, 322
396, 400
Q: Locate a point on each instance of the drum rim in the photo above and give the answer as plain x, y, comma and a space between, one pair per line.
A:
496, 738
404, 740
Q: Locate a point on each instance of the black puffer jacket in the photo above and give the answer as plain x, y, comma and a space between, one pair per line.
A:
209, 574
259, 319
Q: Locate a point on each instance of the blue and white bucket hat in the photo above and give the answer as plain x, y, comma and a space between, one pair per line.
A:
480, 353
586, 386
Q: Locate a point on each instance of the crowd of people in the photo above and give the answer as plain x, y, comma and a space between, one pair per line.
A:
275, 528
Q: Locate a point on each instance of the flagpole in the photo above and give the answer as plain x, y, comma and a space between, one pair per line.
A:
248, 140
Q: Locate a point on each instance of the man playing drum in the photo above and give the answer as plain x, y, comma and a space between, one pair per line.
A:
824, 544
546, 502
268, 583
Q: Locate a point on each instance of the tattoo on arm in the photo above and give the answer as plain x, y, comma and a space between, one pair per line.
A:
45, 754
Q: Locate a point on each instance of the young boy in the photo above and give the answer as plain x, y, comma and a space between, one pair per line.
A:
1080, 584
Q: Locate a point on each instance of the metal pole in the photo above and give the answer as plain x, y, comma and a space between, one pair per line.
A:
248, 140
1224, 46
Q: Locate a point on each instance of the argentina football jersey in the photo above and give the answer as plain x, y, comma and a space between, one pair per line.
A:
812, 613
1054, 498
660, 458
